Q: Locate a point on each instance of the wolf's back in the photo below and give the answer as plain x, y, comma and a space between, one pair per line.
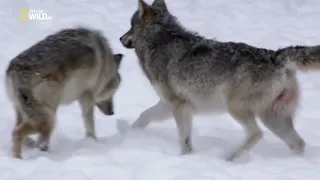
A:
101, 46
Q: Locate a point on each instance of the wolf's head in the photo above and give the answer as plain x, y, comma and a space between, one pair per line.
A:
147, 21
106, 106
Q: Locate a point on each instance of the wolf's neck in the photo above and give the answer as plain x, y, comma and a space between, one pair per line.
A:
168, 35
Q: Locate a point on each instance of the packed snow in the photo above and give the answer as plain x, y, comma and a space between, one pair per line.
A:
153, 153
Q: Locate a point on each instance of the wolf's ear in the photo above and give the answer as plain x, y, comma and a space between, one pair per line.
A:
161, 4
118, 58
144, 9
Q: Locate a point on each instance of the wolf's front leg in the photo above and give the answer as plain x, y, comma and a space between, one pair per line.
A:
183, 117
159, 112
87, 106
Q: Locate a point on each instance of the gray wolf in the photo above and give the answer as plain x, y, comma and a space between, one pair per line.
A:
192, 74
75, 64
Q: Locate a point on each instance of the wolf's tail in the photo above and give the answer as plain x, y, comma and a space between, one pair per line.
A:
22, 100
304, 57
11, 86
19, 95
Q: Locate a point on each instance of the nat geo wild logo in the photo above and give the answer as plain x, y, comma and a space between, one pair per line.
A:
33, 14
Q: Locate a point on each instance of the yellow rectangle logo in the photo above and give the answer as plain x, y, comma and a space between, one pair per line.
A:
24, 14
33, 14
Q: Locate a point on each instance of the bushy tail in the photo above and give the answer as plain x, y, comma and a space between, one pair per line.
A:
19, 95
305, 57
11, 83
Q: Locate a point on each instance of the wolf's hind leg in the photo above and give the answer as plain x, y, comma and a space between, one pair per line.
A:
278, 119
20, 132
284, 129
253, 133
27, 141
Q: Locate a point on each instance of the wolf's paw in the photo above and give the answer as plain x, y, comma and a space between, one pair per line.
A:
186, 152
140, 124
230, 157
43, 147
91, 135
298, 147
16, 156
186, 147
237, 159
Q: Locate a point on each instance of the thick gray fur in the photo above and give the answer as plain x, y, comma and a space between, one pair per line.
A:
192, 74
75, 64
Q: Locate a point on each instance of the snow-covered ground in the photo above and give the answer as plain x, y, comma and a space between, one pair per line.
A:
153, 154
